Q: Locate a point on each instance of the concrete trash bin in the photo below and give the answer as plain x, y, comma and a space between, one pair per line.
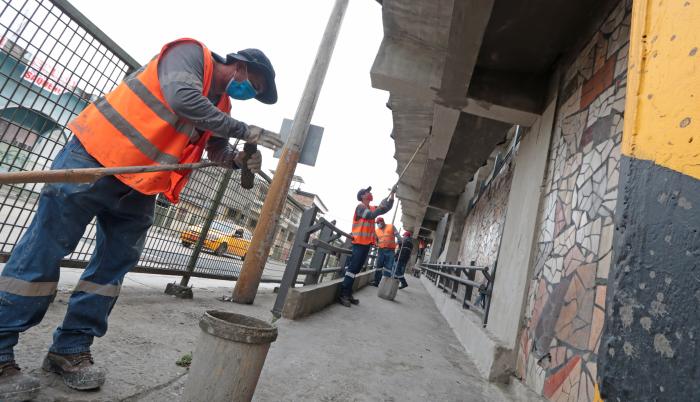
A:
229, 357
388, 287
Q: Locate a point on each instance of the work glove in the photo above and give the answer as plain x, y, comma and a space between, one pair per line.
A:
262, 137
254, 163
387, 203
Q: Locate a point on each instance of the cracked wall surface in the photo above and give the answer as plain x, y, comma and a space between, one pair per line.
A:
558, 347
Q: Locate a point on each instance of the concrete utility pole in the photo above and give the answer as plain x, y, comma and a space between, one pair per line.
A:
249, 279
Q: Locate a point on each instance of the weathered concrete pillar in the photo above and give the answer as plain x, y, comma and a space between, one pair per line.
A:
649, 348
454, 235
513, 271
439, 239
412, 262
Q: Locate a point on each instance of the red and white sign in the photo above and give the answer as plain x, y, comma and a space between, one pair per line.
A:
50, 78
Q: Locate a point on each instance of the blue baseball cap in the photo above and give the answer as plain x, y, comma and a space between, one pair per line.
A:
363, 192
257, 59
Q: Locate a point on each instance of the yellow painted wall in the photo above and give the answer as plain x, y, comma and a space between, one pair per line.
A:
662, 114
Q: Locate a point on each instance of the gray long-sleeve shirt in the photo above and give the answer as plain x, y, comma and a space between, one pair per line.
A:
385, 206
181, 76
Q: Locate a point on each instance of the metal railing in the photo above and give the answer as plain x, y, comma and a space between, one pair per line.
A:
318, 253
53, 63
459, 281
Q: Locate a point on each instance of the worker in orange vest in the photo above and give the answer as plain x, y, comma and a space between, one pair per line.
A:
363, 238
167, 112
387, 240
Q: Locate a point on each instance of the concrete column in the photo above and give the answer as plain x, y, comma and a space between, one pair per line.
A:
514, 270
453, 244
649, 345
439, 239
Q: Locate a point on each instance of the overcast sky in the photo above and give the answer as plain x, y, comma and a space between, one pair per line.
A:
357, 150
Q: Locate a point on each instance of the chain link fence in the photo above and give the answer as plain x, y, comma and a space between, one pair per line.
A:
53, 63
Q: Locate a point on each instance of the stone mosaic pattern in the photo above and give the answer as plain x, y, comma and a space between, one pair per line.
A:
484, 225
561, 336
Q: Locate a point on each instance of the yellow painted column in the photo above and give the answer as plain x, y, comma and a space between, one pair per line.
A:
649, 348
662, 112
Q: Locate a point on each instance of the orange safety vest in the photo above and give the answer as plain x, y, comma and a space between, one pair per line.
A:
386, 237
363, 230
133, 125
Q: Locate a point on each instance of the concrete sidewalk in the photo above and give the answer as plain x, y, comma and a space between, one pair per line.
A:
379, 350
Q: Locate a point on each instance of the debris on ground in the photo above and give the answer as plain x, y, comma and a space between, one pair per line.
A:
185, 360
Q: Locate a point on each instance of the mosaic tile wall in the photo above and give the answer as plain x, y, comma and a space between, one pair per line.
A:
484, 225
565, 313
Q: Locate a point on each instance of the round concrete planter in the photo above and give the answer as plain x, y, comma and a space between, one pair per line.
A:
229, 357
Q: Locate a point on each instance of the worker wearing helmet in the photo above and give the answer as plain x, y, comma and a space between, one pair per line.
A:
167, 112
387, 240
363, 238
402, 258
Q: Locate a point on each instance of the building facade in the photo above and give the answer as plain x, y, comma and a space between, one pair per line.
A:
585, 215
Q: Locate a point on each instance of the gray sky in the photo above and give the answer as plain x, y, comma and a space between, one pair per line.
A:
357, 150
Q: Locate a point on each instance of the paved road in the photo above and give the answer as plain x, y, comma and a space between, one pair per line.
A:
163, 249
166, 252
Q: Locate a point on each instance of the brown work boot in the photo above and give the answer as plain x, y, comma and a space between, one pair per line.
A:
78, 370
15, 386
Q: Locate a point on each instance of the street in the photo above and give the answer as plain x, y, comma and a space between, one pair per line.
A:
163, 249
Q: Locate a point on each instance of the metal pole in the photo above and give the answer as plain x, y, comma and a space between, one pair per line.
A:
249, 279
296, 257
319, 257
395, 211
410, 161
343, 260
205, 228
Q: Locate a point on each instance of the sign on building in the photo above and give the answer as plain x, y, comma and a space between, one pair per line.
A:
51, 78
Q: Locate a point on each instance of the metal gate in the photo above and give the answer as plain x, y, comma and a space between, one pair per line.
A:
53, 63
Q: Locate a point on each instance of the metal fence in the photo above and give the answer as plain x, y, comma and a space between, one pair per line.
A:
459, 281
53, 63
320, 252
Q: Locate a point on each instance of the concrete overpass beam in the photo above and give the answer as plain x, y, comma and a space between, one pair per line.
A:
469, 21
405, 69
444, 125
509, 90
429, 225
407, 192
505, 114
446, 203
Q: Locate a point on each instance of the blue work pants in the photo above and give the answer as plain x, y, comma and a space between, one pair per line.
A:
357, 260
385, 263
29, 280
400, 270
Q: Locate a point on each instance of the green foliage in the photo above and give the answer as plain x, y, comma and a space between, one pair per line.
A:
185, 360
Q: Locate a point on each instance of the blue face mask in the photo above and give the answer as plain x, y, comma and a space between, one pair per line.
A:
241, 90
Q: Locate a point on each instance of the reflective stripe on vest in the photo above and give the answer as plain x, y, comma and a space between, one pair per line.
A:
133, 125
386, 237
363, 230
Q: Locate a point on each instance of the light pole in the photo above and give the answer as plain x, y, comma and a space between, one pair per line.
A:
254, 264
